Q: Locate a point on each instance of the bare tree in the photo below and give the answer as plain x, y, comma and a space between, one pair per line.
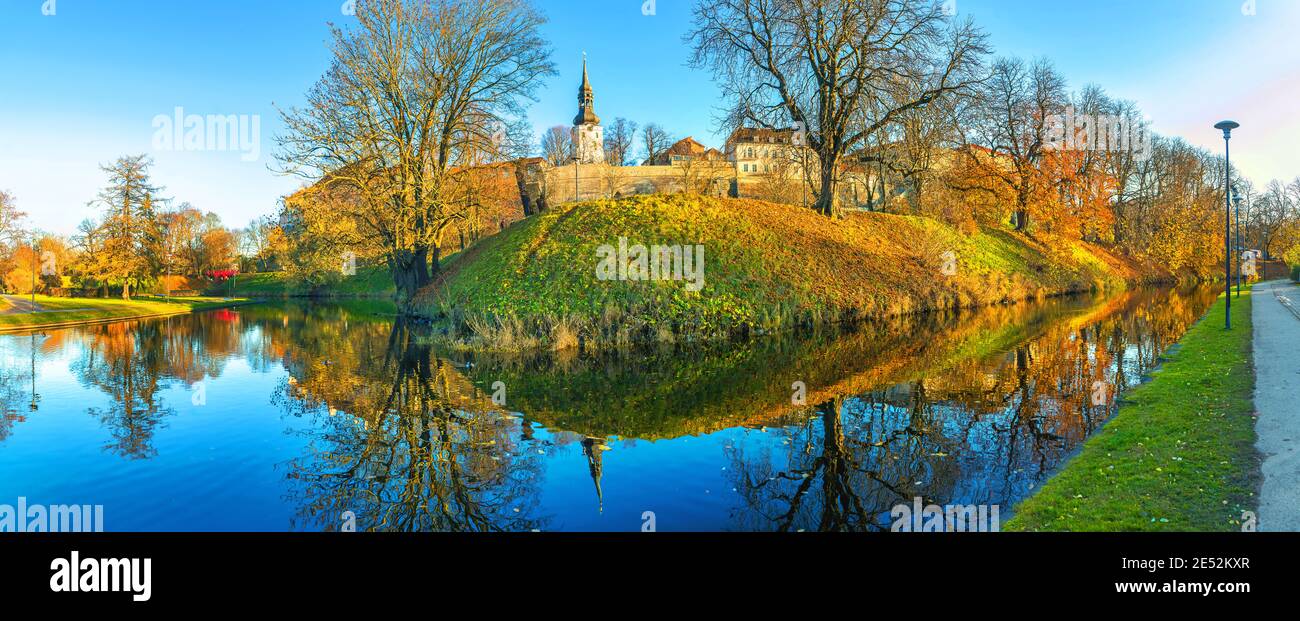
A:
1274, 211
837, 70
418, 89
620, 137
557, 146
655, 140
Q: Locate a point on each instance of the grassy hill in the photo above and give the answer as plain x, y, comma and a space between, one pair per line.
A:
767, 267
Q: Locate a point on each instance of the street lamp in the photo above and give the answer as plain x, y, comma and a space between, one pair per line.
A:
1236, 247
1227, 127
36, 262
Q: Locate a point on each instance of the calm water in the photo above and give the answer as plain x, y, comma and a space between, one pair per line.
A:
286, 416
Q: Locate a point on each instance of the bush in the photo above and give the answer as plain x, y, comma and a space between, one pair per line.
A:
1295, 273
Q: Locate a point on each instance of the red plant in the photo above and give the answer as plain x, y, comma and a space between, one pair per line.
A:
221, 275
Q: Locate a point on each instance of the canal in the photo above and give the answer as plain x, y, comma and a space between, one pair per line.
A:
306, 416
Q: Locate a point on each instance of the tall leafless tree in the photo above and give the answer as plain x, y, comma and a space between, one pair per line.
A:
620, 138
837, 70
557, 146
655, 140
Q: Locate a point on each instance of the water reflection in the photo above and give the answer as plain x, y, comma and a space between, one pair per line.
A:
380, 424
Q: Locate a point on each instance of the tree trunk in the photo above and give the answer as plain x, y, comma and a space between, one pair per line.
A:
826, 198
410, 275
126, 291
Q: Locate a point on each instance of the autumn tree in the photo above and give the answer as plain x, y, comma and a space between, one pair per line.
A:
1005, 133
413, 88
129, 238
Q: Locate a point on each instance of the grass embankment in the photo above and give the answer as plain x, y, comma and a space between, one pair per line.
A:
372, 282
1179, 456
60, 312
767, 267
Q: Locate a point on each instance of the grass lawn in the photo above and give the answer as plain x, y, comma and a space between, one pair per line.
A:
1179, 456
368, 282
63, 311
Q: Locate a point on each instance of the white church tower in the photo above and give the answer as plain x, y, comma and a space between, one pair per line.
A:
588, 135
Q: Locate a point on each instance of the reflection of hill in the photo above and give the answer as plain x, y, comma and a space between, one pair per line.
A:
675, 391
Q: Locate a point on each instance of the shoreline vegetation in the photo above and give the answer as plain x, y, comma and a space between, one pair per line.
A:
767, 267
1180, 454
67, 312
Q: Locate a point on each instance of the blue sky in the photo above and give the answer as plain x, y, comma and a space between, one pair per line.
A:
82, 86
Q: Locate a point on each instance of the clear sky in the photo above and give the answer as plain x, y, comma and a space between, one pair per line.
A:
84, 85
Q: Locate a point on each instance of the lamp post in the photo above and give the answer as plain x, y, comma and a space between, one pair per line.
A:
36, 262
1227, 127
1236, 244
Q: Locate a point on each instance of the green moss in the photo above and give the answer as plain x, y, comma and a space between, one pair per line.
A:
1179, 456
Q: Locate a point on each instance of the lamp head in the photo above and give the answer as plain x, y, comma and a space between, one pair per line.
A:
1227, 127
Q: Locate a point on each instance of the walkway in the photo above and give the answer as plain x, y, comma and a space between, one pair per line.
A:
1277, 401
19, 304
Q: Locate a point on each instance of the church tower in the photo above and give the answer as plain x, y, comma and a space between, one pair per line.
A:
588, 135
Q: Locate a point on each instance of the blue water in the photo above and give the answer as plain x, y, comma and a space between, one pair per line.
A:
312, 413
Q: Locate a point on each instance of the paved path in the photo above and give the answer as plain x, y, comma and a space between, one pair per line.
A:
19, 304
1276, 316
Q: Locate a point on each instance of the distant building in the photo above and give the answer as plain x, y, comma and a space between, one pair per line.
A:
686, 150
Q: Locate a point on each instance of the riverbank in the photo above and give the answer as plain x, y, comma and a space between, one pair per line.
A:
579, 275
1180, 454
66, 312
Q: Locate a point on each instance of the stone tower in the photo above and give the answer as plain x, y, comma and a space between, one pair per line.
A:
588, 135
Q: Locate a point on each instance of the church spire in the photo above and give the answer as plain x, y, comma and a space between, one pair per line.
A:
586, 100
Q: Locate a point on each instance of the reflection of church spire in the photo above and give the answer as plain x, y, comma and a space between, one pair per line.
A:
593, 448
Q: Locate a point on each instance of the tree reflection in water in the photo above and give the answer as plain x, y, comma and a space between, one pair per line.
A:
402, 443
983, 432
134, 362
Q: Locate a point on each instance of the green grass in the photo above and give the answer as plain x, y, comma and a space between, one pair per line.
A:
767, 267
368, 282
66, 311
1179, 456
